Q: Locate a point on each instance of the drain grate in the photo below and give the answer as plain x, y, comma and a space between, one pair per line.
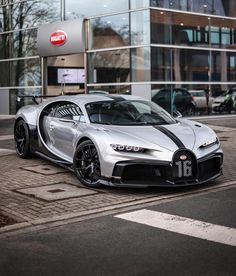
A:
57, 191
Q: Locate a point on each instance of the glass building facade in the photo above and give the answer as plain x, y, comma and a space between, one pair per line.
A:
134, 46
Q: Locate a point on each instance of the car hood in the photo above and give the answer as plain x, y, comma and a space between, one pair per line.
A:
169, 137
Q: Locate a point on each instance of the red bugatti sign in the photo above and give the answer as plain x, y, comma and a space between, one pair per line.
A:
183, 157
58, 38
61, 38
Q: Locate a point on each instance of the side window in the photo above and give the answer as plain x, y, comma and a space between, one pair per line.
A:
69, 111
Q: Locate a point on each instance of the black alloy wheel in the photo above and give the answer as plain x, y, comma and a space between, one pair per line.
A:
87, 165
22, 141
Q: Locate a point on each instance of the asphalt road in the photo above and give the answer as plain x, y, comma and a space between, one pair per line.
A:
111, 246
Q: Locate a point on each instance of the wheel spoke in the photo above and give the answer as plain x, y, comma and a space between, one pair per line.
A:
21, 146
17, 133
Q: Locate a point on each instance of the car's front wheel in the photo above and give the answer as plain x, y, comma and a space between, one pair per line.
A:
22, 141
87, 165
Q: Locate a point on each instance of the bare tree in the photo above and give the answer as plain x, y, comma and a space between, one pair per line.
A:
21, 43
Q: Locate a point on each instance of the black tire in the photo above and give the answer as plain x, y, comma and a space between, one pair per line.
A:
87, 165
22, 139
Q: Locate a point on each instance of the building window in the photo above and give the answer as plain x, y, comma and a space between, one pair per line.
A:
216, 7
161, 64
190, 65
190, 30
140, 27
160, 27
140, 64
79, 9
135, 4
111, 31
110, 66
24, 72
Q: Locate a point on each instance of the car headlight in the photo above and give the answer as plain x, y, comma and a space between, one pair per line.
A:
210, 143
119, 147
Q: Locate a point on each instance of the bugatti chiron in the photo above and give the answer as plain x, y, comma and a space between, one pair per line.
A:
118, 140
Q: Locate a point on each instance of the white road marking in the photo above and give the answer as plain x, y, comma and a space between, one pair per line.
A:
183, 225
6, 137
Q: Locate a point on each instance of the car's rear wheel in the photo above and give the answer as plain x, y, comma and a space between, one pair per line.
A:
22, 141
87, 165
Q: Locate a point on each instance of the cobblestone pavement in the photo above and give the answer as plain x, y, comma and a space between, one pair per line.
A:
17, 174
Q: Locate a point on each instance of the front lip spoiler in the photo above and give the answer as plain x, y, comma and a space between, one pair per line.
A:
116, 182
165, 180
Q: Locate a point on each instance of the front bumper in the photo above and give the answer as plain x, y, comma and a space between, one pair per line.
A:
138, 173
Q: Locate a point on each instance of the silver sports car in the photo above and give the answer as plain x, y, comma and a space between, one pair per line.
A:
118, 140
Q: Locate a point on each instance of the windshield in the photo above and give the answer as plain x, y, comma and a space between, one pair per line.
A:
124, 112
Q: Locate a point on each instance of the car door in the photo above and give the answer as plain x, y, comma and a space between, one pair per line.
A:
63, 128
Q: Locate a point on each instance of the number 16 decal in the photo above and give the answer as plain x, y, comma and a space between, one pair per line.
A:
184, 168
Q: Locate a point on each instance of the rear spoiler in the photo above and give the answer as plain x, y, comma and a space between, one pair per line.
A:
35, 97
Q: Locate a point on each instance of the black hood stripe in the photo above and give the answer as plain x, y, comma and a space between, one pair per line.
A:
172, 136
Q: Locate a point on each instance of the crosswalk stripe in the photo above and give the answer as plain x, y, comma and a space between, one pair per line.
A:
183, 225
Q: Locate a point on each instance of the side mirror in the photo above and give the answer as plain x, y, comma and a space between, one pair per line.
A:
177, 114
